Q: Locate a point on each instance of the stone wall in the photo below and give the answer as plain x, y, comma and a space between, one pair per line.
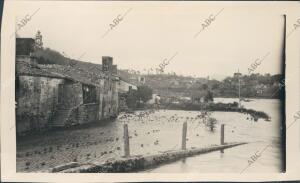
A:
88, 113
115, 99
71, 95
36, 99
138, 162
110, 97
110, 90
107, 97
43, 101
81, 113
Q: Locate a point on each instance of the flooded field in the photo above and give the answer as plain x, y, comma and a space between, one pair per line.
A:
264, 136
160, 131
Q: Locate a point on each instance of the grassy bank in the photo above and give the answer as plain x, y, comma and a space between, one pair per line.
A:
223, 107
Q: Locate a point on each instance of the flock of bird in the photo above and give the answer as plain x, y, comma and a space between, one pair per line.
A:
147, 117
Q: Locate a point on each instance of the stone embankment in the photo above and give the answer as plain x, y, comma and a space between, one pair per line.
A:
137, 163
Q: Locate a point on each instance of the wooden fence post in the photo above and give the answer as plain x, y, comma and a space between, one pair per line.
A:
126, 141
184, 130
222, 136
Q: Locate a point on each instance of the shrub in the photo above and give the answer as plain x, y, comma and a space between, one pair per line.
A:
211, 124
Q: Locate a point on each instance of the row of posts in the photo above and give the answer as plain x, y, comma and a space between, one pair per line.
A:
183, 144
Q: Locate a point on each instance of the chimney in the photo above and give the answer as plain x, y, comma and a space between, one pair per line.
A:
24, 46
114, 69
107, 63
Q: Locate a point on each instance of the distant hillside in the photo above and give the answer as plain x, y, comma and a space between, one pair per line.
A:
48, 56
252, 86
164, 84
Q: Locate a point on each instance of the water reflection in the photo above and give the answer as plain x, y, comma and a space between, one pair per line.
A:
221, 155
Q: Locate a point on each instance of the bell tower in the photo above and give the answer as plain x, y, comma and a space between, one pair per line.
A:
38, 40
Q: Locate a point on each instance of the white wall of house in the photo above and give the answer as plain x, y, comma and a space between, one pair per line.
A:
124, 86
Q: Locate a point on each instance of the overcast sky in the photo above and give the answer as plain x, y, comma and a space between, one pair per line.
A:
153, 31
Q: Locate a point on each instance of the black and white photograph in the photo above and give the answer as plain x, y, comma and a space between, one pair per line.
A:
150, 87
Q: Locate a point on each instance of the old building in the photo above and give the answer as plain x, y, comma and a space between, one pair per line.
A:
124, 87
54, 95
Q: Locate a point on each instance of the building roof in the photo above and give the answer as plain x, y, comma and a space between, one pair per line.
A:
59, 71
25, 68
84, 72
90, 77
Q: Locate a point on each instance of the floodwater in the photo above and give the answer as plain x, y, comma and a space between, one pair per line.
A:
160, 131
264, 138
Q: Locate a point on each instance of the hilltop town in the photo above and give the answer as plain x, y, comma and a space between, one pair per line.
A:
172, 85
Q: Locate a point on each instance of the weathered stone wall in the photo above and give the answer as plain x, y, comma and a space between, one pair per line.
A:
115, 98
42, 100
87, 113
111, 99
100, 99
36, 99
107, 97
105, 107
72, 95
82, 113
137, 163
107, 68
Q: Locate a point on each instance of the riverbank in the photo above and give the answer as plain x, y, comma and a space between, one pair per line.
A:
221, 107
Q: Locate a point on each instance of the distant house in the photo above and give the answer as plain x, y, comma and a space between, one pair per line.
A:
141, 80
53, 95
125, 86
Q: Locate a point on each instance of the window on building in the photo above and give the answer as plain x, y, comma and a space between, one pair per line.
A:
89, 94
